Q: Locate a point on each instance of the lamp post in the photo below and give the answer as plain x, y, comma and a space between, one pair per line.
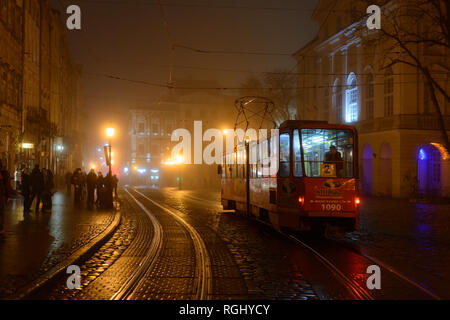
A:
110, 134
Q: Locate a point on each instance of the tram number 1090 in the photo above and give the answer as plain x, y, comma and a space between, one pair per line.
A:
331, 207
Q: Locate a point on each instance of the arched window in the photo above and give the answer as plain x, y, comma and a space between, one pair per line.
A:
351, 100
337, 101
369, 96
388, 93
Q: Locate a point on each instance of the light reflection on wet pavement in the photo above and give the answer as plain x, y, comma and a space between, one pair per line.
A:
35, 242
412, 238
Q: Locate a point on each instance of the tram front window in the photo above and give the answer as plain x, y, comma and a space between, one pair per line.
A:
328, 152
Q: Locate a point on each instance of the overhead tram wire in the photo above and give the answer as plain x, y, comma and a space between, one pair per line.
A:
143, 82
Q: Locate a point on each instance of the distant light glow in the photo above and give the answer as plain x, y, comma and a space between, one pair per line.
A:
142, 171
27, 145
110, 132
126, 169
422, 154
155, 170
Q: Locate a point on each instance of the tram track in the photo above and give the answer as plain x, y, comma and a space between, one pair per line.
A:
203, 274
153, 252
357, 289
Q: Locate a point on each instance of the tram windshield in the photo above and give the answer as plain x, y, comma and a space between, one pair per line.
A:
328, 152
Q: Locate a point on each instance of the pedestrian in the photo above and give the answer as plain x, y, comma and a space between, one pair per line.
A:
68, 179
77, 181
91, 182
5, 194
37, 186
83, 185
100, 190
26, 189
47, 191
115, 183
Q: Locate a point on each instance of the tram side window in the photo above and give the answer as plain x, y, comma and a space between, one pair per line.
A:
253, 155
265, 158
284, 155
298, 170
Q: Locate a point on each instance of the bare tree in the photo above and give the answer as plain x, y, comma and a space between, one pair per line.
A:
416, 33
278, 86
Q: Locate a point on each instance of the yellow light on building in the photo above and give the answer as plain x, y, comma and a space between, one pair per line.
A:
27, 145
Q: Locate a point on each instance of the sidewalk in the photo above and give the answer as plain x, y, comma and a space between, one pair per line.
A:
413, 238
35, 242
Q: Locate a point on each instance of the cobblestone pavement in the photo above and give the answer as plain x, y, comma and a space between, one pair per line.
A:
412, 238
249, 260
114, 263
35, 242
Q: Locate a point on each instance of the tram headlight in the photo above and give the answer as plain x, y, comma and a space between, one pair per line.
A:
301, 200
357, 201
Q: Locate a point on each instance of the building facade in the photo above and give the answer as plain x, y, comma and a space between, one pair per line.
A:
151, 128
40, 88
11, 75
150, 134
344, 77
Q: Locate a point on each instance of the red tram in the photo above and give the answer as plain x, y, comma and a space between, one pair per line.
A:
314, 188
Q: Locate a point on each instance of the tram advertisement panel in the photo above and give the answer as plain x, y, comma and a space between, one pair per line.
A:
330, 194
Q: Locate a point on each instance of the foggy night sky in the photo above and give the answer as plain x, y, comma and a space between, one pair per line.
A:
127, 38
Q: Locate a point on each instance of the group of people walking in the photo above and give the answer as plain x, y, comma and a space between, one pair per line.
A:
39, 184
87, 185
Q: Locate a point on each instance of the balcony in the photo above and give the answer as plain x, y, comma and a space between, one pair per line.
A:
402, 122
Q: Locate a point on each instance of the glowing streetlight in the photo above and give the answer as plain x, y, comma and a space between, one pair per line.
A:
110, 132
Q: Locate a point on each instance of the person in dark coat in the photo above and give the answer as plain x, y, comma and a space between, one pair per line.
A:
37, 186
100, 190
91, 182
77, 181
47, 191
5, 194
26, 189
335, 157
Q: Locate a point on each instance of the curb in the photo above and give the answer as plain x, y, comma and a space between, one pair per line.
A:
79, 255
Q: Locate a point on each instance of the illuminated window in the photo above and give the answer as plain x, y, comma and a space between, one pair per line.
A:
321, 160
298, 171
351, 101
285, 155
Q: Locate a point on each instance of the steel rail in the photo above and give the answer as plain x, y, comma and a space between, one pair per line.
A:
127, 289
204, 274
355, 287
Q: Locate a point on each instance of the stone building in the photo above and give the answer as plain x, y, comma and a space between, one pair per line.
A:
11, 75
344, 77
150, 133
151, 128
40, 90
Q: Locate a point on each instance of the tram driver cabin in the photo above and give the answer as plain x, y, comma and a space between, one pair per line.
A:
315, 187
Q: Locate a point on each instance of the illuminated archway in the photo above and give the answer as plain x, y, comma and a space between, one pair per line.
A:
429, 169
